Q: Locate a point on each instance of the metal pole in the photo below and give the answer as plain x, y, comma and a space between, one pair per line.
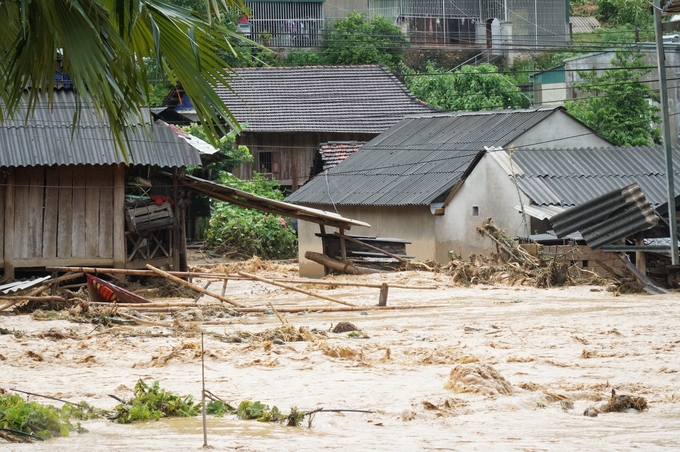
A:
666, 129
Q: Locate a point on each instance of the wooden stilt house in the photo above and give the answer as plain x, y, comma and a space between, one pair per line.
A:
71, 198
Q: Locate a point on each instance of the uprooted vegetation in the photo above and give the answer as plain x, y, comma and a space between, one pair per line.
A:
513, 265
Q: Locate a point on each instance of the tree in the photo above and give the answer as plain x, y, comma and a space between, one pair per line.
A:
470, 88
617, 106
621, 12
103, 44
355, 40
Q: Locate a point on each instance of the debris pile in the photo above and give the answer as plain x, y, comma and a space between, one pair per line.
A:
513, 265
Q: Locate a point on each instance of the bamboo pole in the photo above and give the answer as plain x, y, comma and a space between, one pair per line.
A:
286, 286
339, 308
188, 284
130, 272
330, 282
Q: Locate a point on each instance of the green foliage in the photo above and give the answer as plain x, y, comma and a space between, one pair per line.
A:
153, 402
470, 88
355, 40
45, 421
251, 232
231, 155
620, 12
520, 70
617, 106
304, 58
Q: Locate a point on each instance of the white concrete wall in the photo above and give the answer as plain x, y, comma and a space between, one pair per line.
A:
552, 94
490, 189
412, 223
560, 130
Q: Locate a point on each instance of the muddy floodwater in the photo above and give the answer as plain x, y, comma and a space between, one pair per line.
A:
488, 368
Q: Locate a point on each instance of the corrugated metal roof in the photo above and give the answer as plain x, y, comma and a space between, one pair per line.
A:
540, 212
569, 177
607, 218
359, 99
46, 139
417, 160
584, 24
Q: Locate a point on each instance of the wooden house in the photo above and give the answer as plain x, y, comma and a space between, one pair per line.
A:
71, 198
287, 112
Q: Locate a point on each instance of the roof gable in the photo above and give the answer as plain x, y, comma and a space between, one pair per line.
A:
359, 99
48, 138
569, 177
419, 159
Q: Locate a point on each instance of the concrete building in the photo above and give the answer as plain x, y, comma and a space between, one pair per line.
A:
430, 180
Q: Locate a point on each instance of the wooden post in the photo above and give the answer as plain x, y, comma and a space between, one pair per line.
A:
224, 285
176, 239
9, 227
382, 301
640, 256
343, 248
119, 256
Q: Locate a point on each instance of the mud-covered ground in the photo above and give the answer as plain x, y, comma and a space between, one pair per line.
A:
486, 368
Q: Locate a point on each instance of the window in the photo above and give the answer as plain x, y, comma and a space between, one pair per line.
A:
264, 162
475, 211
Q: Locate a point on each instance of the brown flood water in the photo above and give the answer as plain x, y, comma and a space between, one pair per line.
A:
577, 342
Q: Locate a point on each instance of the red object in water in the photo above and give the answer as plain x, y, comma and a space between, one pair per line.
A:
104, 291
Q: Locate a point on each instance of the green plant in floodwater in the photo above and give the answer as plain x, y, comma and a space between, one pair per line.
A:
154, 402
44, 421
358, 335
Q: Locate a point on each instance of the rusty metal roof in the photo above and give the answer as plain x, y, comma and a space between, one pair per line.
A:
48, 138
607, 218
418, 160
335, 152
570, 177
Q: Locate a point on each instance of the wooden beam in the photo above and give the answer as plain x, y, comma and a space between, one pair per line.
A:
335, 265
286, 286
177, 230
192, 286
640, 256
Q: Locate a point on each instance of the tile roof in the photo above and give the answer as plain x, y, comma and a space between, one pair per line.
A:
335, 152
358, 99
569, 177
46, 139
417, 160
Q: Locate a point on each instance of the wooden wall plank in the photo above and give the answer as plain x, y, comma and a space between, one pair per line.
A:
92, 212
65, 220
119, 256
3, 183
36, 211
8, 254
21, 196
79, 207
50, 222
106, 211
